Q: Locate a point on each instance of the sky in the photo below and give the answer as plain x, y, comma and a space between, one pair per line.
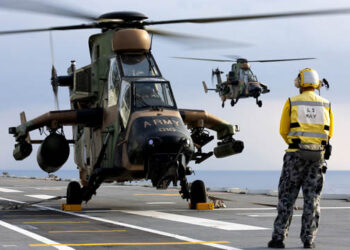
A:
26, 63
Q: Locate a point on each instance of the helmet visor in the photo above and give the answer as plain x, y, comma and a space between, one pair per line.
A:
310, 77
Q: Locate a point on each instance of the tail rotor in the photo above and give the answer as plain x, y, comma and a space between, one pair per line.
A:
54, 81
54, 84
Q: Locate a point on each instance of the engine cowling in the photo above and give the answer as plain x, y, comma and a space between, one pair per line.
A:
53, 153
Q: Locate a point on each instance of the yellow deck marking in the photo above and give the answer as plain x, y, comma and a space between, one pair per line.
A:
131, 243
56, 222
176, 194
87, 231
35, 215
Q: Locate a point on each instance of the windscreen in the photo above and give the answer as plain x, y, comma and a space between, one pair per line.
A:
153, 94
247, 76
138, 65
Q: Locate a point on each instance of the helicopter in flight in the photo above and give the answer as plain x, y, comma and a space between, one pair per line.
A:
126, 123
240, 81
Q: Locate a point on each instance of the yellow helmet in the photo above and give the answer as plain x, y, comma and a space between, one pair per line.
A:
308, 78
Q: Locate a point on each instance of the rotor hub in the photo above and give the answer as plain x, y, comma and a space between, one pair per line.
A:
126, 16
242, 60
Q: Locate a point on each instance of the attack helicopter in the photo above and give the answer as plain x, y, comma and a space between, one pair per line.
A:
240, 81
125, 120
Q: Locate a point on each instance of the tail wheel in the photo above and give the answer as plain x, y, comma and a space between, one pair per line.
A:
74, 195
198, 193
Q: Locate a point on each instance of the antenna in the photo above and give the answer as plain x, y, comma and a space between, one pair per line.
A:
151, 41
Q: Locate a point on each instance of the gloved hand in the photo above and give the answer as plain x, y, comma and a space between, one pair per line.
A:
328, 151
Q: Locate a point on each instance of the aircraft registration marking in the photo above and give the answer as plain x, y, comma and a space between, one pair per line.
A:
33, 235
132, 243
7, 190
195, 220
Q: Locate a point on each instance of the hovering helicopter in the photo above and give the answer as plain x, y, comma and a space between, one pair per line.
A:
240, 81
126, 123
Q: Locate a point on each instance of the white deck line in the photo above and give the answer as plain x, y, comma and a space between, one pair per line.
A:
40, 196
195, 220
33, 235
7, 190
149, 230
145, 229
160, 202
215, 210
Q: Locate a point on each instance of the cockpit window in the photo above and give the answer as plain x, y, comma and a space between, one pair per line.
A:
113, 83
153, 94
247, 76
125, 103
138, 65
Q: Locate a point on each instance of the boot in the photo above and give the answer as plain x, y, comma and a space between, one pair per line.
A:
276, 244
308, 244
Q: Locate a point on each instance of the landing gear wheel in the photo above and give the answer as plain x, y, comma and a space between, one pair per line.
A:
259, 103
232, 102
74, 193
223, 104
198, 193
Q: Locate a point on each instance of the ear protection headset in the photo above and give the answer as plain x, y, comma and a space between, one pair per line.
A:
308, 78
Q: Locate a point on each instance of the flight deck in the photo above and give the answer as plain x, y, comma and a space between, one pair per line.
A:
139, 217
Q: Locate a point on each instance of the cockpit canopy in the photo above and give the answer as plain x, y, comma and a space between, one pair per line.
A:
143, 95
138, 65
239, 73
153, 95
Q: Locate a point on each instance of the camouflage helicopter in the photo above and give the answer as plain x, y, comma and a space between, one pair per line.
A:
125, 120
240, 81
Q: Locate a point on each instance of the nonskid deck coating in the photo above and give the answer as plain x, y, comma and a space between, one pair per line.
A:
134, 217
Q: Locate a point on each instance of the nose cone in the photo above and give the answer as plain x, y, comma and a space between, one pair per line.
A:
161, 135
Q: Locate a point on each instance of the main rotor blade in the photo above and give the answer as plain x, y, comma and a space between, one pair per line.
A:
71, 27
203, 59
196, 41
253, 17
45, 8
283, 60
226, 60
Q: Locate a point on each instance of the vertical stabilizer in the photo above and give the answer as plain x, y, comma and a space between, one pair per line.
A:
23, 118
205, 87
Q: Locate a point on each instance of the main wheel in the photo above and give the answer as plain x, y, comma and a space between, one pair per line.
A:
259, 103
198, 193
232, 102
74, 193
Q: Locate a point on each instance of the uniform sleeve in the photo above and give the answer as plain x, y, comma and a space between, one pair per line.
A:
285, 121
330, 123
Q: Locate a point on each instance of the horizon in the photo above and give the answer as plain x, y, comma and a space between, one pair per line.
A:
26, 70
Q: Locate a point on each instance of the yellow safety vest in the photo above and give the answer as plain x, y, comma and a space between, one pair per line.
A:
309, 119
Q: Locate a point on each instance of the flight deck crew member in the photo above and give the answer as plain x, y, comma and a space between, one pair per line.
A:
306, 126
